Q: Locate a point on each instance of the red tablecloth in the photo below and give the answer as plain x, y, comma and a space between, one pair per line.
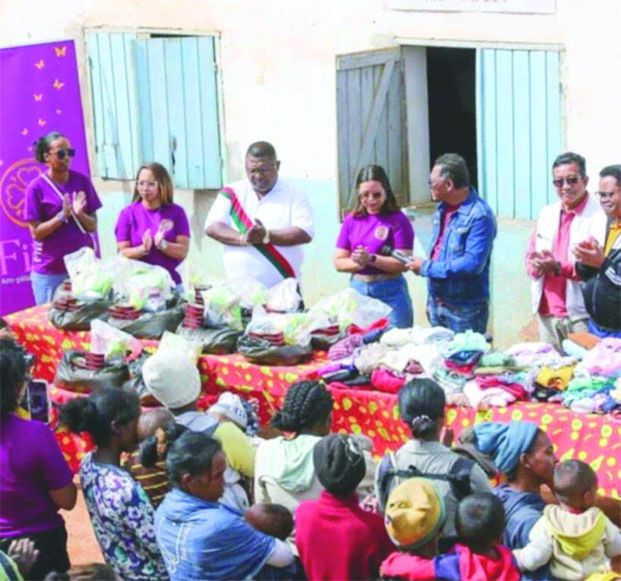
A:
593, 438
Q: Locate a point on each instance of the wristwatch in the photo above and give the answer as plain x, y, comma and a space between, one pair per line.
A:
372, 258
61, 216
557, 268
266, 238
163, 245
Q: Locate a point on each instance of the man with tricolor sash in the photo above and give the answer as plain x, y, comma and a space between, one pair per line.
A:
263, 221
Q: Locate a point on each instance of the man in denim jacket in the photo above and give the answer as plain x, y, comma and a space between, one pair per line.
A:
464, 229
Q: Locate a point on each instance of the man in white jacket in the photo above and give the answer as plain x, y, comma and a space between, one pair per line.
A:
576, 217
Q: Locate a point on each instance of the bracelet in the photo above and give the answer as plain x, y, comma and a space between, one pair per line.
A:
61, 216
266, 238
163, 245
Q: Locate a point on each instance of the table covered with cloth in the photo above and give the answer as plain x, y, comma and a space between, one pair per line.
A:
595, 439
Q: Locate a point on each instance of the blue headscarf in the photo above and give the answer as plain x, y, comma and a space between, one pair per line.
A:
505, 442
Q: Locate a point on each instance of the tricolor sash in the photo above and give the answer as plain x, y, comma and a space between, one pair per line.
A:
244, 223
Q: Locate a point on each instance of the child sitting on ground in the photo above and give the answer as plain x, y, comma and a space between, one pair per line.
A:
478, 555
272, 519
575, 537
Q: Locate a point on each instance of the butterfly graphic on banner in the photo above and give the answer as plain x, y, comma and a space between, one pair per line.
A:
60, 51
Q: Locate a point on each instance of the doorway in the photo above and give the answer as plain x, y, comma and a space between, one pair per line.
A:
452, 104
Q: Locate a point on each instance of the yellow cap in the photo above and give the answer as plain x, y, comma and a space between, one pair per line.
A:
415, 512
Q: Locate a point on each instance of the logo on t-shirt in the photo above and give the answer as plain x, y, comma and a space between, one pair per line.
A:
381, 232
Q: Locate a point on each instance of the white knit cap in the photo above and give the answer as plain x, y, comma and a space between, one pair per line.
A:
172, 379
230, 406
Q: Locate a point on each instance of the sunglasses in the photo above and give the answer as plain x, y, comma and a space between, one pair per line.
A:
62, 153
570, 181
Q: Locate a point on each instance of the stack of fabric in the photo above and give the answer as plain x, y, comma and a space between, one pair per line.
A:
587, 379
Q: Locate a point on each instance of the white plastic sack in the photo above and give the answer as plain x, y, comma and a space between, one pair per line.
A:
284, 297
221, 307
142, 285
91, 278
251, 293
350, 307
171, 342
295, 327
192, 277
110, 341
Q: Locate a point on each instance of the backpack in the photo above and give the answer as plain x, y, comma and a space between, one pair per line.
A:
389, 476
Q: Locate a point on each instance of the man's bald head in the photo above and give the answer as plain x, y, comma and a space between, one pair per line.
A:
151, 420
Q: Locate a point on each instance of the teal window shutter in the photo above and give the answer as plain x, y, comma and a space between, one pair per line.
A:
519, 129
113, 85
156, 99
179, 108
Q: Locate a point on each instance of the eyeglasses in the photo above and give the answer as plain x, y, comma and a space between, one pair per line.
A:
148, 184
606, 195
570, 181
62, 153
374, 195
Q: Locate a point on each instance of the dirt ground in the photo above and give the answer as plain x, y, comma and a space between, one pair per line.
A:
83, 546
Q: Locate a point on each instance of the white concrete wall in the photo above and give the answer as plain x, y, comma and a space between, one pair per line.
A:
278, 60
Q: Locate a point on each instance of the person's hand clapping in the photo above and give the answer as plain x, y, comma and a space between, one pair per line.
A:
256, 234
79, 204
66, 206
543, 262
590, 253
147, 242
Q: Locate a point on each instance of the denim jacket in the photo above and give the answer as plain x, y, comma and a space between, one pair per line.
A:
460, 274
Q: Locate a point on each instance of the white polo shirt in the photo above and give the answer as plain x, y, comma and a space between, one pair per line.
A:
283, 207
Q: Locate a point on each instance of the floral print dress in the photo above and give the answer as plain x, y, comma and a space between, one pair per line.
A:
122, 517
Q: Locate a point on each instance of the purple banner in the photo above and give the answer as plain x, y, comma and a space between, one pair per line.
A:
39, 93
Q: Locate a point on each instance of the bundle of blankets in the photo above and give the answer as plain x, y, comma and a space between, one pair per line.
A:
586, 377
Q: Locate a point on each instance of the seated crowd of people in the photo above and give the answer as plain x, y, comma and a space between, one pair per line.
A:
177, 493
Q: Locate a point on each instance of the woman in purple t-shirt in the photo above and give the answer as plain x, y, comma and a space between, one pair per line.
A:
152, 228
60, 210
377, 222
35, 480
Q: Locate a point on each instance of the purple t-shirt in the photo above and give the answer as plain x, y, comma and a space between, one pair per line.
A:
42, 204
135, 220
31, 464
374, 231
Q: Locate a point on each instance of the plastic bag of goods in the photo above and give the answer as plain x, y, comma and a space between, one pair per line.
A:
349, 307
221, 307
91, 278
143, 286
284, 297
194, 280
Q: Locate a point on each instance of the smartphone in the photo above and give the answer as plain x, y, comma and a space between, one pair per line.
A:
38, 402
